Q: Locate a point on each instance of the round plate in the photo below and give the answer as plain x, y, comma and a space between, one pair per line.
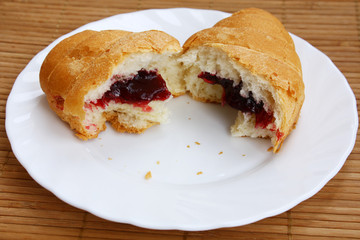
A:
202, 178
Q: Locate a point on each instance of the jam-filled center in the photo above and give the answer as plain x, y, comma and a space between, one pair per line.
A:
139, 90
232, 96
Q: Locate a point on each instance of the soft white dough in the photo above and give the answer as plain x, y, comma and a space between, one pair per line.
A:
165, 64
216, 61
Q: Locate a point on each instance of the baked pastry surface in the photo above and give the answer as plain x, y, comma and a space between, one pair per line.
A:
83, 75
248, 61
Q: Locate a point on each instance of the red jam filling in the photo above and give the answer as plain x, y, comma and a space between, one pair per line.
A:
138, 90
279, 135
231, 96
59, 102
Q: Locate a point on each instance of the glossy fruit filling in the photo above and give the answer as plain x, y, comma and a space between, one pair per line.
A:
231, 95
138, 90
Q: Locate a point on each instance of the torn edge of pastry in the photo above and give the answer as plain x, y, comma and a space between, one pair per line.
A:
112, 75
249, 62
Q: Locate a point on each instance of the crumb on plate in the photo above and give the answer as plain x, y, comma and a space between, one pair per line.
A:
197, 143
148, 175
221, 152
199, 173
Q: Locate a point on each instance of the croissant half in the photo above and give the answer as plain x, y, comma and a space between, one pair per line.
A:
117, 76
248, 61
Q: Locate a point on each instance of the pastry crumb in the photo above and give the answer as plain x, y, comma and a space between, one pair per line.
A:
270, 149
189, 118
188, 102
197, 143
109, 158
188, 146
243, 155
148, 175
221, 152
199, 173
158, 162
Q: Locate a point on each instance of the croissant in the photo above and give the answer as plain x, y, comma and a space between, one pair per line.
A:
249, 62
117, 76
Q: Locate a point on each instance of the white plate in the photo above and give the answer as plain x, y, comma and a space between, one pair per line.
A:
245, 183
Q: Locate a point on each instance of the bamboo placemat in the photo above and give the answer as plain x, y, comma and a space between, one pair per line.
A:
28, 211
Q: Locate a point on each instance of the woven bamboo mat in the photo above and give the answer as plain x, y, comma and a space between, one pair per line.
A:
28, 211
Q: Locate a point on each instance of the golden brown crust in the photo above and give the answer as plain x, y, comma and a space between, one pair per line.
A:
258, 41
256, 19
59, 52
72, 65
86, 61
249, 38
123, 127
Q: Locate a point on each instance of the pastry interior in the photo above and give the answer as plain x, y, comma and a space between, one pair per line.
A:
134, 97
211, 76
